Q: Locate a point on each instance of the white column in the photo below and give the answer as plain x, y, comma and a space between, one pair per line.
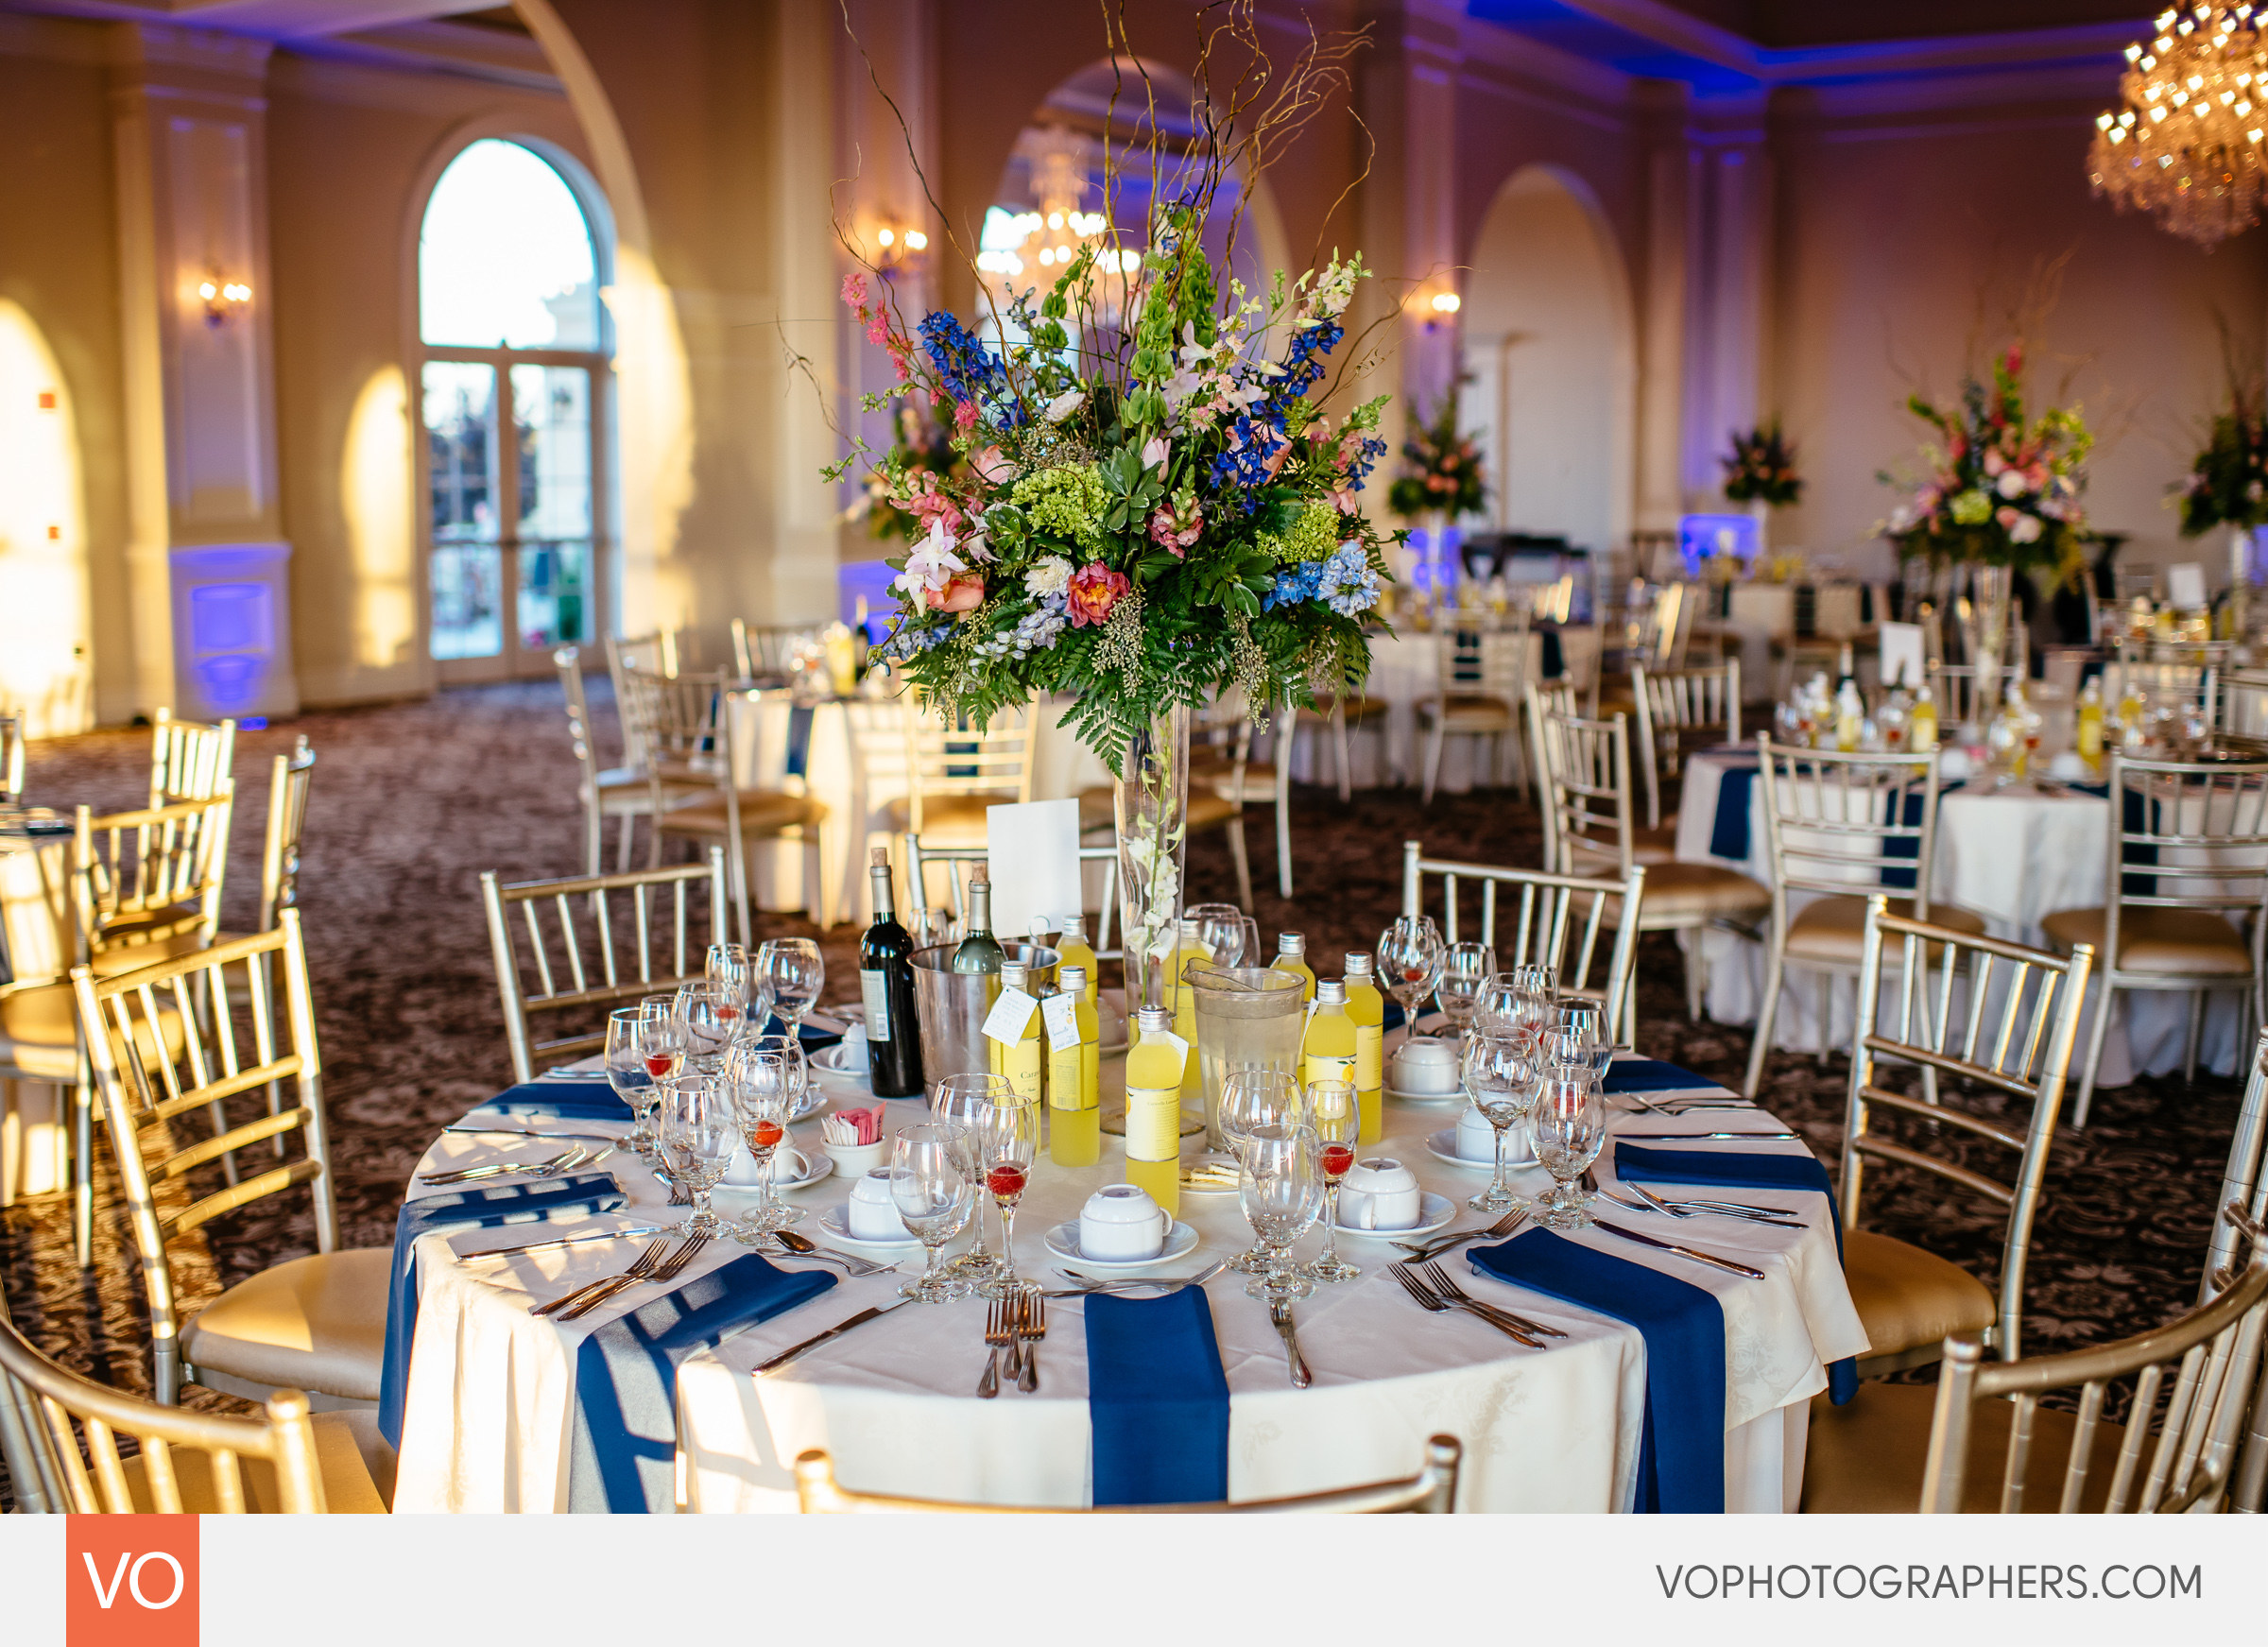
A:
1663, 305
208, 568
1729, 213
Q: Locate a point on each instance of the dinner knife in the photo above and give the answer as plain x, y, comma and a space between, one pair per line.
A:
1706, 1257
568, 1241
531, 1132
1686, 1137
835, 1331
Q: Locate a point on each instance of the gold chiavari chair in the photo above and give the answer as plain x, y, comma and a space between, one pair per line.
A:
1432, 1491
2186, 880
148, 884
1680, 711
615, 792
1587, 830
657, 654
2178, 677
2012, 1035
596, 949
188, 760
1559, 921
955, 772
288, 1461
2244, 1186
767, 649
315, 1323
1838, 827
1478, 694
1220, 764
289, 778
12, 760
2244, 703
1911, 1446
920, 856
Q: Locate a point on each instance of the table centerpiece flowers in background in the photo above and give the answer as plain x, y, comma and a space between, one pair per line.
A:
2228, 486
2000, 495
1156, 505
903, 493
1441, 478
1761, 472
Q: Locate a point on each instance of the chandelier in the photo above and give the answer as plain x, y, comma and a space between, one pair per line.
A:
2187, 145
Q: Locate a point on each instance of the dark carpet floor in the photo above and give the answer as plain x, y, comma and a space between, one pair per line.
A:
411, 802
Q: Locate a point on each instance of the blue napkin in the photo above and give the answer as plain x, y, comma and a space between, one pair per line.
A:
813, 1039
622, 1456
1681, 1454
559, 1100
1748, 1171
1555, 659
1650, 1076
1728, 830
464, 1210
1158, 1400
798, 740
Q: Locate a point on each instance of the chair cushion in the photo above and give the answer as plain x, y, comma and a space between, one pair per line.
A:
1687, 893
1867, 1457
1834, 928
762, 811
349, 1454
1907, 1297
1652, 846
142, 937
1260, 783
1208, 809
2182, 943
39, 1039
1356, 708
951, 819
314, 1323
1469, 712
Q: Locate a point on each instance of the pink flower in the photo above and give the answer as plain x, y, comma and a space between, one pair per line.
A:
1094, 589
933, 508
1277, 457
993, 465
1177, 531
877, 332
1343, 497
1154, 455
964, 416
964, 594
854, 288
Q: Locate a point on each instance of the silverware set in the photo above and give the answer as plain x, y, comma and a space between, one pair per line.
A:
1429, 1285
1016, 1325
1087, 1285
1279, 1312
1691, 1208
562, 1240
1681, 1105
650, 1265
567, 1160
1422, 1250
790, 1245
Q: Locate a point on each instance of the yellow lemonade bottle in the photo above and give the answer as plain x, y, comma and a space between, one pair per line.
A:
1190, 946
1327, 1053
1921, 725
1021, 1060
1367, 1010
1153, 1108
1291, 956
2090, 725
1074, 1072
1074, 950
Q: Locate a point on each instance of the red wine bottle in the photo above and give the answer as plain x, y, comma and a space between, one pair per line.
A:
885, 981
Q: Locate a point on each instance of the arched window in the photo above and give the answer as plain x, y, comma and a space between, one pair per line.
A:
516, 411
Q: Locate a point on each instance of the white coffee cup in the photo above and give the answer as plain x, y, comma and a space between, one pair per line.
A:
1424, 1065
1379, 1193
787, 1166
871, 1212
1120, 1224
1476, 1138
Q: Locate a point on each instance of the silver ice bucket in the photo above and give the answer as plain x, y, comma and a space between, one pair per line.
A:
953, 1007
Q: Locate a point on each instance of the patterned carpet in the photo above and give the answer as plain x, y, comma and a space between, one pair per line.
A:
411, 802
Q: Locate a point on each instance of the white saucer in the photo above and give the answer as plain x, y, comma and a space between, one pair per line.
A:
1454, 1095
1444, 1145
1063, 1242
827, 1065
833, 1226
816, 1165
1434, 1212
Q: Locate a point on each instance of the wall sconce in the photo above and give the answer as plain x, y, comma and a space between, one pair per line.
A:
1438, 310
222, 298
896, 245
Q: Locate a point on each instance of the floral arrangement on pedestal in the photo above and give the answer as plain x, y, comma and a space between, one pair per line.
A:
2229, 484
916, 480
1441, 469
1762, 467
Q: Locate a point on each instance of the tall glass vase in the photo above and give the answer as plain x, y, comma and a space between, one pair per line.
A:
1984, 635
1760, 512
1151, 805
2239, 584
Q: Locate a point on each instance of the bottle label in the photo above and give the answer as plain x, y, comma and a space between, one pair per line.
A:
1060, 1012
1153, 1123
1020, 1063
1066, 1085
1316, 1067
1370, 1057
1010, 1014
874, 989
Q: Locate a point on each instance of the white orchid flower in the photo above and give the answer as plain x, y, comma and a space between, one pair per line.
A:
1064, 404
931, 564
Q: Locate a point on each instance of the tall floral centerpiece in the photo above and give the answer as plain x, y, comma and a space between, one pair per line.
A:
2228, 486
2001, 494
1441, 477
1761, 472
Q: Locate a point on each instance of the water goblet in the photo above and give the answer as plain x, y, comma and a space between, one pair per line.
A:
791, 972
1465, 967
933, 1196
1281, 1190
626, 1072
1009, 1146
764, 1096
1499, 1074
1410, 957
965, 1100
1230, 934
1495, 1005
1255, 1096
1336, 1120
710, 1013
731, 966
700, 1132
1569, 1123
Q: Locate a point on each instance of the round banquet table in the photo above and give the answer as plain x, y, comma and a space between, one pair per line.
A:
2013, 855
488, 1407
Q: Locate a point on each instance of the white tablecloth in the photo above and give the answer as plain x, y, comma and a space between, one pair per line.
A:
490, 1389
2014, 856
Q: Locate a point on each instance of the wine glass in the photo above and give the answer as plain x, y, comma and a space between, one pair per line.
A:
1232, 936
966, 1102
1253, 1096
799, 1066
1587, 1021
934, 1198
1538, 988
710, 1013
791, 972
1569, 1123
730, 966
1410, 957
1499, 1074
1336, 1120
627, 1072
1281, 1190
1009, 1145
764, 1097
700, 1132
662, 1050
1495, 1005
1463, 969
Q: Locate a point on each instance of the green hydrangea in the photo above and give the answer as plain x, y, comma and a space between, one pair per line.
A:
1971, 508
1068, 501
1315, 536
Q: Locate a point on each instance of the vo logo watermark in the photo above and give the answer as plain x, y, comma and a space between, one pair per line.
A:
131, 1581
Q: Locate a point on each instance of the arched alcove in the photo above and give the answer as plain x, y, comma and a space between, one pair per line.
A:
46, 670
1551, 347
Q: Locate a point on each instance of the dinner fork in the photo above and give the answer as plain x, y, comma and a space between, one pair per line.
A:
666, 1272
571, 1157
999, 1338
1420, 1250
1444, 1284
1426, 1300
643, 1264
1031, 1325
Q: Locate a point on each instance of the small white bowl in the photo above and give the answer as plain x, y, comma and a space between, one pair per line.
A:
853, 1161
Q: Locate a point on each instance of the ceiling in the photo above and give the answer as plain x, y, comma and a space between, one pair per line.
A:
1782, 23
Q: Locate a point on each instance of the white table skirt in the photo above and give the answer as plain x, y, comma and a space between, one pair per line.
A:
2014, 856
490, 1389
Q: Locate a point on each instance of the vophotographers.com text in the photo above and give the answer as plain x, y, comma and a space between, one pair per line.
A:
1915, 1581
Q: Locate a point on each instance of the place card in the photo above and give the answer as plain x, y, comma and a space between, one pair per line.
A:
1902, 656
1060, 1012
1033, 853
2185, 587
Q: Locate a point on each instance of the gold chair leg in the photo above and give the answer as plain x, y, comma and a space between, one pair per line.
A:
2188, 1053
1243, 864
82, 1168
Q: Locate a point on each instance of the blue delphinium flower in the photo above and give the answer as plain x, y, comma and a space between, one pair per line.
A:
1303, 363
971, 371
1244, 465
1295, 583
1359, 471
1345, 583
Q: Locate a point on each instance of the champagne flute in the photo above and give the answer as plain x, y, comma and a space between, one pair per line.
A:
1281, 1192
1465, 968
1337, 1123
966, 1102
661, 1051
730, 966
1499, 1074
798, 1067
1010, 1145
1410, 955
933, 1196
763, 1095
700, 1132
791, 972
1569, 1123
